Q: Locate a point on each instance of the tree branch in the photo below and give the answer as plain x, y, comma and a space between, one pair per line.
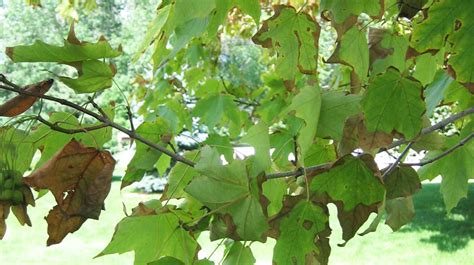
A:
295, 173
14, 88
399, 158
55, 126
427, 130
443, 154
437, 126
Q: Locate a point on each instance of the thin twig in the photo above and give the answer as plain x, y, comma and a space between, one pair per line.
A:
236, 100
443, 154
55, 126
106, 121
437, 126
294, 173
97, 107
395, 164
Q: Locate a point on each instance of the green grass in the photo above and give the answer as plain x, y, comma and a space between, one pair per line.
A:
433, 237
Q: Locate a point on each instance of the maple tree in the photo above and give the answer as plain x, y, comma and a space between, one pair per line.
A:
393, 64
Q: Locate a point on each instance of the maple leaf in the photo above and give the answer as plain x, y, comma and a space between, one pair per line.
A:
295, 36
22, 103
79, 177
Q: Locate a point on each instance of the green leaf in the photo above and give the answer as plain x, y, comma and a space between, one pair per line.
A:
152, 237
387, 50
400, 211
402, 182
393, 102
449, 23
353, 50
456, 169
229, 189
50, 141
351, 180
179, 177
343, 9
167, 261
222, 144
274, 191
257, 136
72, 51
294, 36
426, 66
145, 157
250, 7
239, 254
307, 105
322, 151
17, 149
435, 91
213, 108
93, 76
336, 107
154, 29
284, 143
186, 10
298, 233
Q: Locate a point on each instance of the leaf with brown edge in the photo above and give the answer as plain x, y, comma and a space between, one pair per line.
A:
294, 35
79, 177
403, 181
352, 220
22, 103
355, 135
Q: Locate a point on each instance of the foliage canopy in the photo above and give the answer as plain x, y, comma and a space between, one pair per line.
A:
341, 82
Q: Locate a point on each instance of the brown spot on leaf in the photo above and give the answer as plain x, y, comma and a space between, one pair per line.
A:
307, 224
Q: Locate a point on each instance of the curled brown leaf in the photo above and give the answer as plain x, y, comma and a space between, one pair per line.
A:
79, 177
22, 103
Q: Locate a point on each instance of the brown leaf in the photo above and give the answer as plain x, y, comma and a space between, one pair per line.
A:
376, 51
79, 177
4, 211
22, 103
351, 221
355, 135
21, 214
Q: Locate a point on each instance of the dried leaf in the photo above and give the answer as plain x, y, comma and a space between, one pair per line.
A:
79, 178
352, 220
355, 135
22, 103
4, 211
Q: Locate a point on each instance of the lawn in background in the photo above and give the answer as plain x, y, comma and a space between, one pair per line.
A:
433, 238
